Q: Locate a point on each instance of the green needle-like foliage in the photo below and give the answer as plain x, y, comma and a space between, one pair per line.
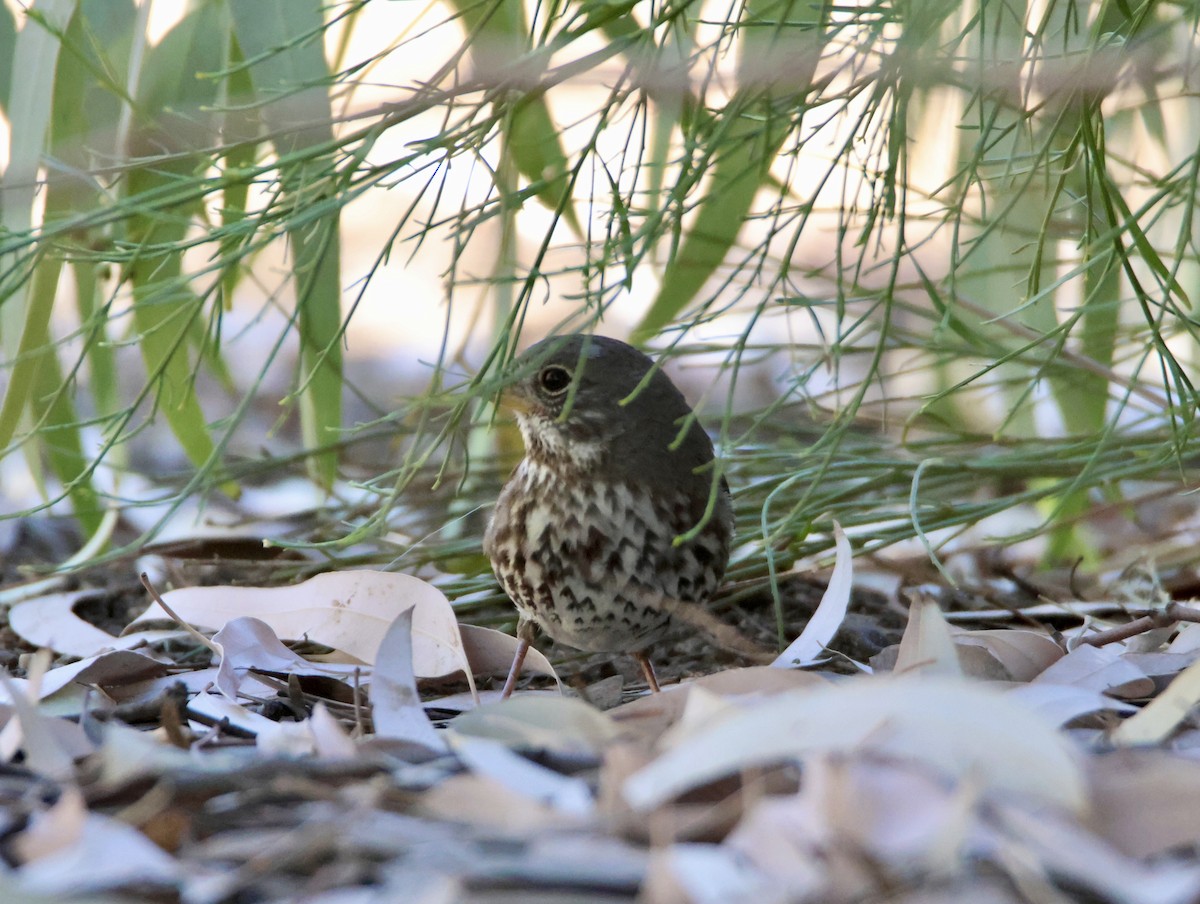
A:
952, 245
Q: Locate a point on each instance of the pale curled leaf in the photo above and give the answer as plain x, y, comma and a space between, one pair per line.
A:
708, 874
285, 739
50, 621
957, 728
927, 646
492, 759
829, 614
1067, 849
348, 610
218, 707
1162, 715
1187, 640
1102, 669
395, 704
490, 652
652, 715
889, 814
545, 722
1024, 654
1060, 703
107, 669
330, 740
1146, 801
249, 643
106, 854
32, 731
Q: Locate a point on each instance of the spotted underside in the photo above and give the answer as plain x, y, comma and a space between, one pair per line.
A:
592, 562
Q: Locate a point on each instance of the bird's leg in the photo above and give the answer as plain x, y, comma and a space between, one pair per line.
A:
525, 630
648, 671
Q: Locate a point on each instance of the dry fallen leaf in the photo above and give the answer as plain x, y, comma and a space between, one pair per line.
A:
106, 853
490, 652
247, 643
854, 819
1162, 715
1024, 654
50, 622
1060, 703
395, 704
1101, 669
927, 646
1066, 849
1146, 802
954, 727
830, 612
540, 722
348, 610
564, 794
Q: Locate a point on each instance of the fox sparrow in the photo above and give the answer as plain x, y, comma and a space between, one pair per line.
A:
584, 537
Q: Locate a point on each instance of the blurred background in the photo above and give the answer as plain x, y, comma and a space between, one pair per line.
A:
926, 267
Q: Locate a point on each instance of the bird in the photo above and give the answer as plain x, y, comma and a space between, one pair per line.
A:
617, 515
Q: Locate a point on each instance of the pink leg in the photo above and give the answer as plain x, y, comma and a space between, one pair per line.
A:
648, 671
514, 671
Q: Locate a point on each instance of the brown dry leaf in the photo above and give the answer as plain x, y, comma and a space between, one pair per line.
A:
105, 670
830, 613
1024, 654
1162, 715
853, 819
710, 874
1146, 802
537, 722
954, 727
51, 830
1067, 850
1101, 669
927, 647
348, 610
490, 652
474, 799
650, 716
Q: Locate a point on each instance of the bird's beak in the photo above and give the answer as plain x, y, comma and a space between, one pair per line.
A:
512, 398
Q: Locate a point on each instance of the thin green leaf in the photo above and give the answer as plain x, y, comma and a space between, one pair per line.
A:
750, 131
499, 36
283, 39
23, 328
172, 99
8, 41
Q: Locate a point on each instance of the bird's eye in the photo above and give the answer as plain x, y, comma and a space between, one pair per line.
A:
554, 379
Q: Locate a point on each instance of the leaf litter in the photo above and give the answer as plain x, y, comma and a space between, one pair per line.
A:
320, 745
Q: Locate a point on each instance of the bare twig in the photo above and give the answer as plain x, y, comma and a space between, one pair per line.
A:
196, 635
1159, 618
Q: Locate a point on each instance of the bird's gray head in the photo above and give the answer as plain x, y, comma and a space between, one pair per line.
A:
595, 403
